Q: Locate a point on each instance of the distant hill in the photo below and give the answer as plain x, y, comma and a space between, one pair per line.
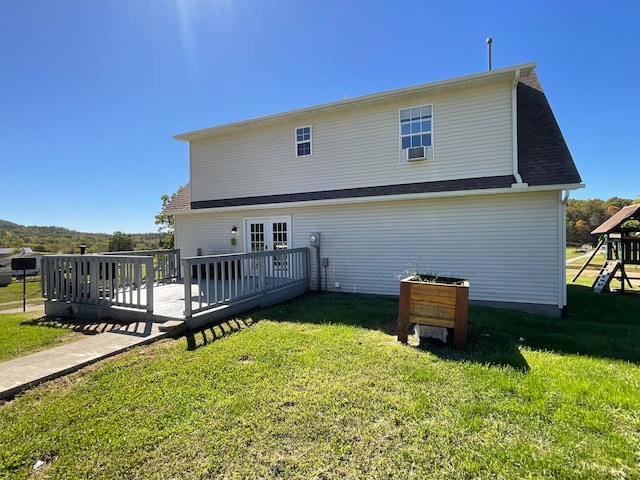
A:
63, 240
5, 223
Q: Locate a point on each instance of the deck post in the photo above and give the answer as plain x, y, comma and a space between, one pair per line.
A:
177, 265
149, 282
94, 279
187, 288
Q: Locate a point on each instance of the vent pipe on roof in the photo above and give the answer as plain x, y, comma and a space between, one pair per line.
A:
489, 42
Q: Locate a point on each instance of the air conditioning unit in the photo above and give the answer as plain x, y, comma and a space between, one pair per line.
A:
415, 154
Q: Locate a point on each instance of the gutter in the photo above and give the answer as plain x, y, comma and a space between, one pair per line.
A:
514, 132
399, 197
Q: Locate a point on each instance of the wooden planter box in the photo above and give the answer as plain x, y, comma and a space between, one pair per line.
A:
436, 304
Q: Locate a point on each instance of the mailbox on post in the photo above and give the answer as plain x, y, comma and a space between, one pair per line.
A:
24, 264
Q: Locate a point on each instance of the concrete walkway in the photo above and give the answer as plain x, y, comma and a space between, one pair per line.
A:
25, 372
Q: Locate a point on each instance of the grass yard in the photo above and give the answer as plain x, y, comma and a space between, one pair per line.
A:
25, 333
572, 252
11, 295
320, 388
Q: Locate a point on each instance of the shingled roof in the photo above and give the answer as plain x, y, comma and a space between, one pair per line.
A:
543, 155
181, 202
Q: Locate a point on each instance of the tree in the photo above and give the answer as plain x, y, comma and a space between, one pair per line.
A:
8, 240
167, 221
618, 202
583, 231
120, 242
612, 210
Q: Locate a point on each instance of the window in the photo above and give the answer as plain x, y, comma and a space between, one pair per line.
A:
303, 141
416, 130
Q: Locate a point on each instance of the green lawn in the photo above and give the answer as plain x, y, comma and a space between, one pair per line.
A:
11, 295
572, 252
25, 333
320, 388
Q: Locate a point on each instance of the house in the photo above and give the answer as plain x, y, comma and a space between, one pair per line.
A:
5, 266
466, 177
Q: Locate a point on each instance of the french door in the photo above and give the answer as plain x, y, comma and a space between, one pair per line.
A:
272, 233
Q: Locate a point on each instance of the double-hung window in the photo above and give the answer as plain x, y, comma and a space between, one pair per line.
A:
416, 133
303, 141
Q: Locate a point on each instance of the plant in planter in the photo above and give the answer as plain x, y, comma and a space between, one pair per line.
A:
434, 300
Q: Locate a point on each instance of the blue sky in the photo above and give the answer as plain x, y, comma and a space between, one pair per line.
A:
91, 92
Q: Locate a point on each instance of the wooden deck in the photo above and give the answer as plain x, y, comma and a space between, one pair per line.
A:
214, 287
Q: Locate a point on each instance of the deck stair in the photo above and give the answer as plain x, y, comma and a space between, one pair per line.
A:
605, 275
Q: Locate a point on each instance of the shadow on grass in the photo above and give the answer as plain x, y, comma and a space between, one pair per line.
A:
205, 336
374, 312
381, 313
485, 347
80, 326
599, 325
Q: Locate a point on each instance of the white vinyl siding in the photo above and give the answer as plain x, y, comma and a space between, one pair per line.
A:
507, 245
359, 148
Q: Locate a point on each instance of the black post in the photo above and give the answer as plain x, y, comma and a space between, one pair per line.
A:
24, 291
24, 264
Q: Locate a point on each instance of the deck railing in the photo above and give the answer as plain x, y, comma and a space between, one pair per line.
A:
215, 280
100, 280
166, 262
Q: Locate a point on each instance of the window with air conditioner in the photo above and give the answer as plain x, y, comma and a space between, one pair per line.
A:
416, 134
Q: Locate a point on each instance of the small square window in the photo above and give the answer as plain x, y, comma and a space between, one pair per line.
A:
303, 141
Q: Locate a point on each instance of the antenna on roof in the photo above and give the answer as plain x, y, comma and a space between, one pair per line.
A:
489, 42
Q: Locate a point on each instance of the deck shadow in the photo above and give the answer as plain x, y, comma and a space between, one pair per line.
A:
209, 334
374, 312
86, 327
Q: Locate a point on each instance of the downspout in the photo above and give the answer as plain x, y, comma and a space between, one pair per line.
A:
562, 255
514, 131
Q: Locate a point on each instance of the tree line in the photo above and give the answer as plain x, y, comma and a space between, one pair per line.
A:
583, 216
60, 240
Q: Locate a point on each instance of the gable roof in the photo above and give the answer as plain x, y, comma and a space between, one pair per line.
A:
543, 155
630, 212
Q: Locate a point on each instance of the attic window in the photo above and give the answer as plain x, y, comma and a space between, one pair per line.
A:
303, 141
416, 130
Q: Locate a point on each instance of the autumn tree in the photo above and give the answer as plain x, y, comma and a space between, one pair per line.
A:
584, 216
